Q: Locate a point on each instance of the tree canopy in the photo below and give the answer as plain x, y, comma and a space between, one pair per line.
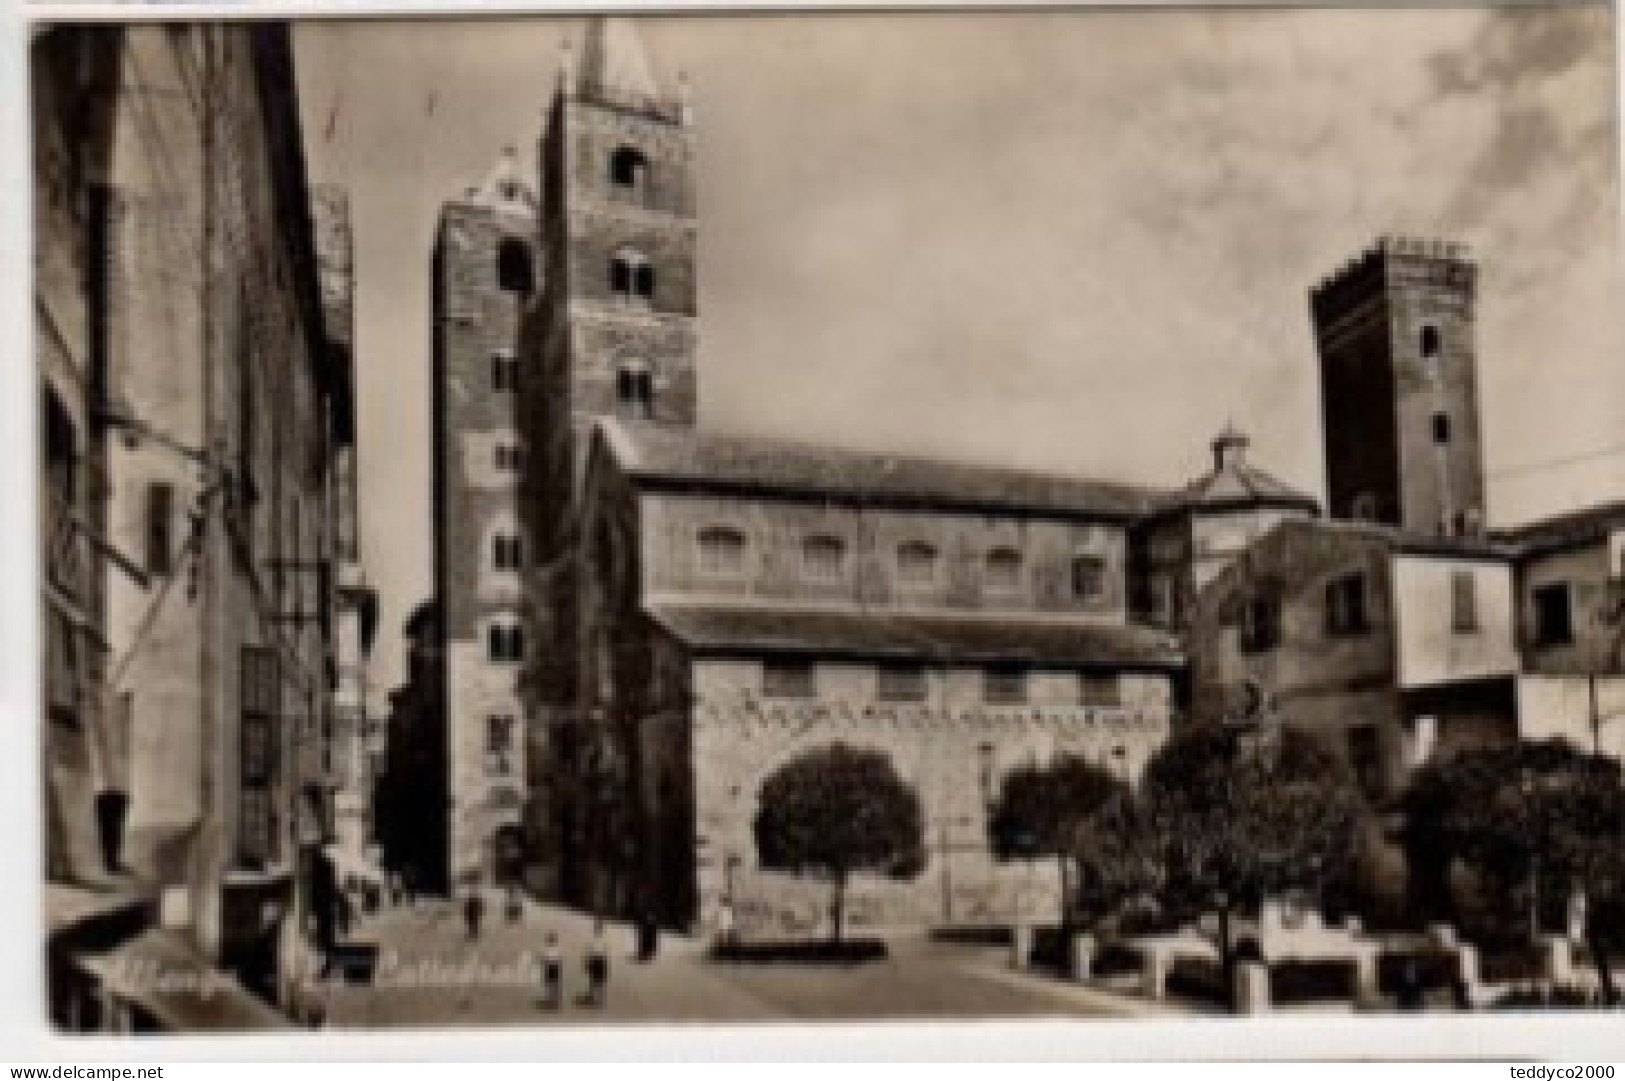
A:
1245, 815
837, 810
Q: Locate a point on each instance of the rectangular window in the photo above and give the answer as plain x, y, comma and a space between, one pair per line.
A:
507, 457
1099, 690
722, 552
901, 683
1441, 428
1554, 617
823, 558
1463, 602
1004, 686
1345, 605
1088, 577
1261, 625
160, 534
257, 751
504, 372
788, 679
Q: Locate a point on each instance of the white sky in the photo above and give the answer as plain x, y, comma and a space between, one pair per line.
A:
1074, 241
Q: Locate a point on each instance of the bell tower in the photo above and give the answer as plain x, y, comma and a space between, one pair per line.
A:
618, 225
1399, 388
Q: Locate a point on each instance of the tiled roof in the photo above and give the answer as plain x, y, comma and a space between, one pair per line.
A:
1564, 530
742, 463
873, 634
1401, 540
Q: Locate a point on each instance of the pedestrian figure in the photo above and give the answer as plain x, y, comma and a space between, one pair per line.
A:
648, 935
473, 909
552, 973
597, 966
725, 926
1409, 994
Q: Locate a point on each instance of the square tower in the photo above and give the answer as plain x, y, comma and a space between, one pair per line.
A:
485, 277
1399, 388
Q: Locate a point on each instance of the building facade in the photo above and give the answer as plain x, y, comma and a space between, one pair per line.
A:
215, 408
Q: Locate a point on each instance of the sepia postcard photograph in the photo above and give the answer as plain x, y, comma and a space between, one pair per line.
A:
588, 519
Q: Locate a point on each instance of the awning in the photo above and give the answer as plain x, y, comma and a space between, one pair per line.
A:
163, 975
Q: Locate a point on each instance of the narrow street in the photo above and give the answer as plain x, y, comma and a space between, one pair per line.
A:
429, 973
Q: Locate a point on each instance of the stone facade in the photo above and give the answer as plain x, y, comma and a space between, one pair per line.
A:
1395, 329
487, 273
217, 403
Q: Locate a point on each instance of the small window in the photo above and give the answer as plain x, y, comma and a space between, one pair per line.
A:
788, 679
1004, 570
901, 682
722, 551
1345, 605
916, 563
631, 277
507, 457
1088, 577
1463, 602
1099, 690
1430, 341
160, 529
507, 552
1554, 616
823, 557
628, 167
505, 643
1261, 625
1441, 428
504, 371
513, 267
634, 389
499, 733
1004, 686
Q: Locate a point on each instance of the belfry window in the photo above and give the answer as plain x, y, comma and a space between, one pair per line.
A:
634, 389
1430, 342
505, 642
507, 552
628, 168
1441, 428
631, 277
513, 267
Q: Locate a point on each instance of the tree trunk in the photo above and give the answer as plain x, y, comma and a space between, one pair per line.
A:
1227, 957
838, 905
1599, 956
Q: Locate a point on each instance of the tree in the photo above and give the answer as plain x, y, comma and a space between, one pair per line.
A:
1082, 816
1239, 815
837, 810
1537, 816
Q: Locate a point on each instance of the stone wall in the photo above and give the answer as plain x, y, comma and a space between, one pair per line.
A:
953, 748
775, 530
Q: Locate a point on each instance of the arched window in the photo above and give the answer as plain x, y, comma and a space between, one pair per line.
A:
631, 277
916, 563
823, 556
504, 371
513, 267
722, 550
628, 168
507, 552
635, 389
1003, 569
505, 642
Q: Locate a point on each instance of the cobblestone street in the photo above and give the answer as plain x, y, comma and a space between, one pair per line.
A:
429, 973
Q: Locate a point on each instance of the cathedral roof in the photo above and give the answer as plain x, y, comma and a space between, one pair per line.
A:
1049, 643
1235, 483
663, 454
1572, 529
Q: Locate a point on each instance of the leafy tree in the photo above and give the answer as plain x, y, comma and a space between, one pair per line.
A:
837, 810
1082, 816
1238, 816
1534, 815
